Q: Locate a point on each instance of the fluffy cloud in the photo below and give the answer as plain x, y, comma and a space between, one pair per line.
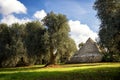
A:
81, 32
10, 19
40, 14
11, 6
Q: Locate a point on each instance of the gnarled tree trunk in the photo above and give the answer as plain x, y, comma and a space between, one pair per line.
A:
52, 58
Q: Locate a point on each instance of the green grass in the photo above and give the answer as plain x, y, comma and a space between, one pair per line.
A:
90, 71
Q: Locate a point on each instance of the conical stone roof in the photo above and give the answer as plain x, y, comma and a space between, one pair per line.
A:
89, 52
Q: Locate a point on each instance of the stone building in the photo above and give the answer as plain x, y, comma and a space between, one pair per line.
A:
89, 52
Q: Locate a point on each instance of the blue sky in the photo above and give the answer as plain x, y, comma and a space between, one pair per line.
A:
74, 9
80, 13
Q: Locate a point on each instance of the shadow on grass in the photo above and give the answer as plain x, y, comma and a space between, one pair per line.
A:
78, 74
39, 67
81, 65
21, 68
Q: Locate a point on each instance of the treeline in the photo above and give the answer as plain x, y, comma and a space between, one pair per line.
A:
45, 42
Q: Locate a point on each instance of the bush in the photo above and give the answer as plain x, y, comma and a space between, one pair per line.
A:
111, 57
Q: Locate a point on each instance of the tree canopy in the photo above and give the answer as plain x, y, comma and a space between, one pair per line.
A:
36, 42
108, 11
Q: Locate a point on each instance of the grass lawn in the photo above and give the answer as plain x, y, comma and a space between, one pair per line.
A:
90, 71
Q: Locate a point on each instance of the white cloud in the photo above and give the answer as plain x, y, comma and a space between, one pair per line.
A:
11, 6
81, 32
40, 14
10, 19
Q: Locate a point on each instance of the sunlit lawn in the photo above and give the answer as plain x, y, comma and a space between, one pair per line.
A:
91, 71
